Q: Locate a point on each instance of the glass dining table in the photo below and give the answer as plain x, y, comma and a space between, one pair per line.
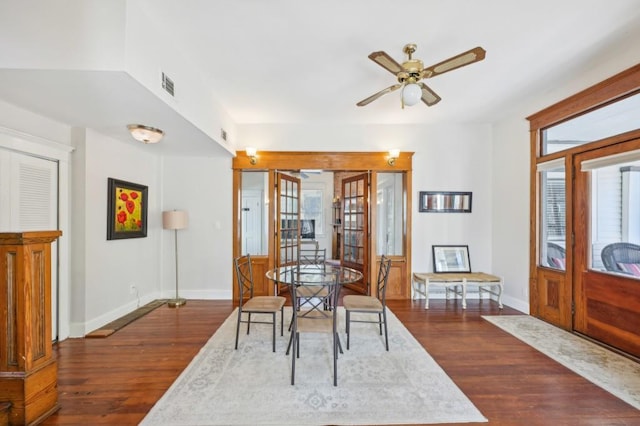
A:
313, 275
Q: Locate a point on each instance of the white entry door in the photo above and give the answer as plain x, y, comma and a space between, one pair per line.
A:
29, 202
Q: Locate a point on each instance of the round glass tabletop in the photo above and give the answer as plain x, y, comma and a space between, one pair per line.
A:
314, 274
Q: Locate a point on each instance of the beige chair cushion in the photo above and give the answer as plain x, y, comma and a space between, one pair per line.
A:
361, 303
264, 304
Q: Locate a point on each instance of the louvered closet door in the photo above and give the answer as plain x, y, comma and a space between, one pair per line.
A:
29, 202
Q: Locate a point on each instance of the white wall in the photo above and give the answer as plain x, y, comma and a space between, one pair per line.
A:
203, 187
111, 266
510, 206
71, 35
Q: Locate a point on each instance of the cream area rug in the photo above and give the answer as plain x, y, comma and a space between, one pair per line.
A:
252, 385
614, 373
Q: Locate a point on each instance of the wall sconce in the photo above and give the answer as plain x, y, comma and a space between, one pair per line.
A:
393, 155
251, 153
145, 134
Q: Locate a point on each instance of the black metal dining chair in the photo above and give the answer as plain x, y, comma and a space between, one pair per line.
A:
314, 318
250, 304
367, 305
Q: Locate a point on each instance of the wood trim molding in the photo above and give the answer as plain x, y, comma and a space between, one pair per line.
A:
622, 84
357, 162
294, 160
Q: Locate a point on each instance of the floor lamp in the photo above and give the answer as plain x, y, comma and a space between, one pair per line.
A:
175, 219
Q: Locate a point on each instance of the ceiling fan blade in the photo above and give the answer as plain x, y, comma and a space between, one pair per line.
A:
386, 62
429, 97
474, 55
377, 95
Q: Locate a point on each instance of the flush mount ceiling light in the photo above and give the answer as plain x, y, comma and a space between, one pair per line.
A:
145, 134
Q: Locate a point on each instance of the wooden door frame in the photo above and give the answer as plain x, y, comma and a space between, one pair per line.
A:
375, 162
608, 91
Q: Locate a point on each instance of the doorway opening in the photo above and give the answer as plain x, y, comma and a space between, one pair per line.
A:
354, 214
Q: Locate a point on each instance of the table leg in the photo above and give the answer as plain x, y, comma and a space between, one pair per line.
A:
426, 293
464, 293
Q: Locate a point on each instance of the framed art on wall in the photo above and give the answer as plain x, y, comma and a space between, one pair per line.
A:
445, 202
451, 259
126, 210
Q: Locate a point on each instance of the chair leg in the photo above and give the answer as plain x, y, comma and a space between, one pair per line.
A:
386, 335
297, 347
282, 321
380, 322
348, 326
274, 331
238, 326
248, 322
293, 360
335, 359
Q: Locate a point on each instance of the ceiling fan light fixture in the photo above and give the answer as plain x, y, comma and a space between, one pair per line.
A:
411, 94
145, 134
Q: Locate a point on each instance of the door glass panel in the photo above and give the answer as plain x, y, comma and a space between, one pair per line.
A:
552, 218
390, 214
618, 117
254, 213
615, 218
288, 219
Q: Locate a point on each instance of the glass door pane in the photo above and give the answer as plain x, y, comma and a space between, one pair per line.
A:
288, 222
553, 233
390, 214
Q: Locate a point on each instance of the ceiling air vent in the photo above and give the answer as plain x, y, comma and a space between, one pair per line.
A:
167, 84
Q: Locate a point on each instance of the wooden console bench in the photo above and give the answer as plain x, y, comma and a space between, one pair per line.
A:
452, 280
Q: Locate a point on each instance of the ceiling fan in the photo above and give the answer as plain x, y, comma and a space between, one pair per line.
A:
412, 71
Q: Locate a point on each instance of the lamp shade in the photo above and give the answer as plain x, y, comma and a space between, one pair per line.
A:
411, 94
175, 219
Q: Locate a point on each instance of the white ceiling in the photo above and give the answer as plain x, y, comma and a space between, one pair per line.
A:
291, 61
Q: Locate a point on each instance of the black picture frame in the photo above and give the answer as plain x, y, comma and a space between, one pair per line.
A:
445, 202
451, 258
127, 204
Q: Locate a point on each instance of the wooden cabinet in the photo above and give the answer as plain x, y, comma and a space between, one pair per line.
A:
28, 372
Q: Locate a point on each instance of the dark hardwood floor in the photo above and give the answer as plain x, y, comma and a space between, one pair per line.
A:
116, 380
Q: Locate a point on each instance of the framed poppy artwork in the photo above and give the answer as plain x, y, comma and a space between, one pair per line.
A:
126, 210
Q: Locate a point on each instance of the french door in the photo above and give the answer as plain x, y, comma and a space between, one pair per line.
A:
355, 228
287, 219
607, 302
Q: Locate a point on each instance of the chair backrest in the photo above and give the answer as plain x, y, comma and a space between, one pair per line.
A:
554, 251
314, 301
244, 275
616, 253
312, 256
383, 277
